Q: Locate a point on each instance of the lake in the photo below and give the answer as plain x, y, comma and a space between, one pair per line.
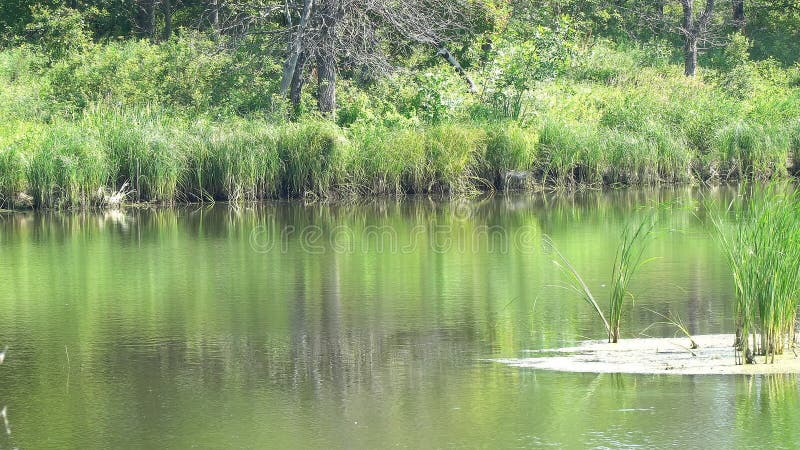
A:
366, 325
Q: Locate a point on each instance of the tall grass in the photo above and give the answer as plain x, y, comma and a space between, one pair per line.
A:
67, 167
234, 160
751, 151
452, 152
12, 175
629, 259
627, 262
570, 153
166, 159
509, 147
143, 150
387, 161
314, 155
762, 244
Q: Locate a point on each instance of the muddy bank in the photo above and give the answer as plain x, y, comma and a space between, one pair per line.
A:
715, 356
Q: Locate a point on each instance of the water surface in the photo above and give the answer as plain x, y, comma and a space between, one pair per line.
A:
286, 325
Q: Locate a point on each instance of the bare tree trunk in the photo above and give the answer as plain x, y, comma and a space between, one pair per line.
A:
739, 19
215, 15
295, 46
445, 53
298, 80
690, 55
326, 76
326, 56
689, 39
694, 29
151, 19
167, 19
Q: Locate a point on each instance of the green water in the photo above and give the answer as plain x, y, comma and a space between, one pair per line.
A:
359, 326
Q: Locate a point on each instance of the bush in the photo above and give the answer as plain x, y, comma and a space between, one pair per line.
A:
58, 32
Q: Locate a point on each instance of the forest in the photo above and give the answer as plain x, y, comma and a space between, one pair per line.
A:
108, 101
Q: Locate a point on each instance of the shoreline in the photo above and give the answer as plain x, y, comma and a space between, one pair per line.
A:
356, 198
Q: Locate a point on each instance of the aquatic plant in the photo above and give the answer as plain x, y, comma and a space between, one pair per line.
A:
627, 262
452, 152
67, 167
750, 151
675, 321
234, 160
314, 156
509, 148
143, 149
761, 240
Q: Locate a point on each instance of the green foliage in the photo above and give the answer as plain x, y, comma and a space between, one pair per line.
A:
58, 32
67, 166
748, 151
189, 119
525, 56
509, 147
738, 73
761, 243
182, 73
628, 260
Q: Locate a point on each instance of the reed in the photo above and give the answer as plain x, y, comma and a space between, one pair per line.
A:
67, 167
452, 153
141, 146
12, 175
761, 240
314, 156
627, 262
235, 160
387, 161
509, 147
750, 151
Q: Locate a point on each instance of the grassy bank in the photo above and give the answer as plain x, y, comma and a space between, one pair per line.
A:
160, 159
77, 131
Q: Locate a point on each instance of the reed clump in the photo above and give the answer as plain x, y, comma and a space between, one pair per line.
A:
12, 175
751, 151
67, 167
509, 147
314, 156
387, 161
143, 149
761, 240
628, 260
235, 160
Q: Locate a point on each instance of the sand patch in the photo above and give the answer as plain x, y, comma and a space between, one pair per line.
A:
654, 356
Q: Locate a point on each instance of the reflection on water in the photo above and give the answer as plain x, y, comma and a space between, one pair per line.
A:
364, 325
